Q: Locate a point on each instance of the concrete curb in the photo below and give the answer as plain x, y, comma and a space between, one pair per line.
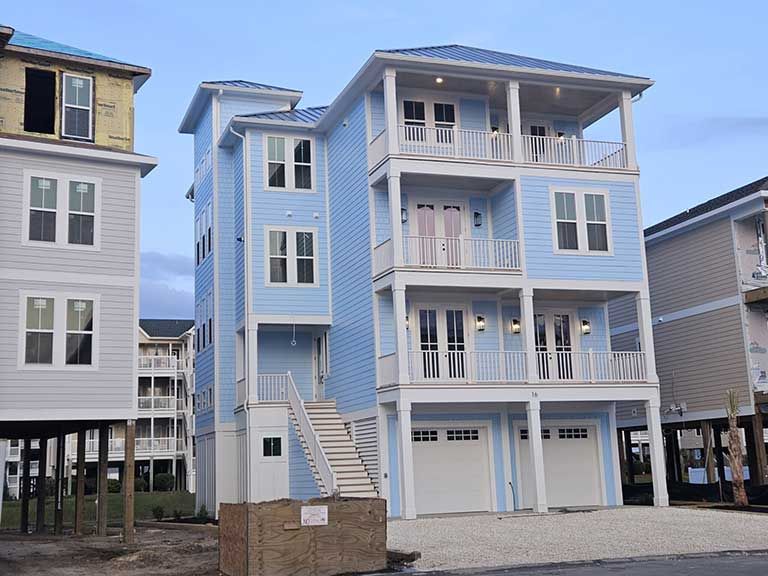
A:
212, 528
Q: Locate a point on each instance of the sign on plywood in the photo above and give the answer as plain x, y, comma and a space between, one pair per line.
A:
314, 515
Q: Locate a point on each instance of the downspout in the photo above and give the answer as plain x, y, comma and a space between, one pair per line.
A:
247, 300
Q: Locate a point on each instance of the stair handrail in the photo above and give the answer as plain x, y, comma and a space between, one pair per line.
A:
323, 465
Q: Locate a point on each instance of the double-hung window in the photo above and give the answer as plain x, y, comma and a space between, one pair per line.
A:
302, 163
445, 120
39, 331
77, 105
82, 212
42, 209
276, 161
581, 221
79, 331
291, 257
415, 120
289, 171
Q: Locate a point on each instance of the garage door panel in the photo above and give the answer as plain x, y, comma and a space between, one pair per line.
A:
451, 470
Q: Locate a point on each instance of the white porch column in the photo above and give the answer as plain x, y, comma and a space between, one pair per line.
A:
656, 441
628, 128
533, 407
645, 332
251, 361
527, 327
401, 334
514, 119
395, 218
407, 486
390, 110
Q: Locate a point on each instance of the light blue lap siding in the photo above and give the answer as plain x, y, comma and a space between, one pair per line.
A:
479, 205
378, 122
541, 261
301, 483
597, 339
278, 356
386, 324
488, 339
352, 379
381, 205
232, 105
473, 114
504, 214
288, 209
512, 342
239, 232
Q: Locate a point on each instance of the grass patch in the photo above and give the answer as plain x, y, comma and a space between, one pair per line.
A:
144, 502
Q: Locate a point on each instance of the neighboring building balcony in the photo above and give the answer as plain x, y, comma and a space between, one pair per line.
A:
161, 364
158, 404
144, 446
14, 452
450, 253
445, 367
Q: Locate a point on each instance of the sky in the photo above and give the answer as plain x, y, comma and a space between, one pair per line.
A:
698, 128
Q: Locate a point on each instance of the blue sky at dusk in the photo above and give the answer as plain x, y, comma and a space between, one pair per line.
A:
698, 129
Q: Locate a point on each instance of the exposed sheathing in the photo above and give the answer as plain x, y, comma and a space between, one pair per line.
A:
113, 99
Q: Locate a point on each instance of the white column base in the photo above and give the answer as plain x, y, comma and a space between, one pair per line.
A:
407, 487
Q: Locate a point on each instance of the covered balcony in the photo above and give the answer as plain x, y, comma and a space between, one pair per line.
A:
498, 120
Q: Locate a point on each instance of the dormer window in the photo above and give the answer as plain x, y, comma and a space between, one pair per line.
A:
39, 101
77, 107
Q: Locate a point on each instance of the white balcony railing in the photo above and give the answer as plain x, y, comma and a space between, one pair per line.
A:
115, 445
273, 387
591, 366
461, 253
155, 444
383, 257
160, 363
387, 373
156, 402
574, 152
455, 143
463, 366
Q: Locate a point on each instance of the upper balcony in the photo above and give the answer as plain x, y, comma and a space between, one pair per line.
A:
503, 122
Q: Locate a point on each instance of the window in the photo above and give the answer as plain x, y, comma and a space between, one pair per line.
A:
305, 260
572, 433
272, 446
567, 225
198, 255
39, 101
42, 209
445, 116
466, 434
39, 331
545, 434
597, 227
276, 161
538, 130
424, 435
77, 107
415, 120
82, 197
210, 224
302, 164
210, 317
290, 258
79, 331
278, 257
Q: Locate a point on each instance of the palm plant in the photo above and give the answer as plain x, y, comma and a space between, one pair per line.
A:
734, 448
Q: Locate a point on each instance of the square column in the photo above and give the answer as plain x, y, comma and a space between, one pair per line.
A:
24, 514
129, 466
407, 485
401, 335
42, 468
533, 408
645, 332
709, 455
514, 119
527, 327
759, 477
390, 110
395, 219
80, 487
628, 128
101, 484
58, 509
656, 441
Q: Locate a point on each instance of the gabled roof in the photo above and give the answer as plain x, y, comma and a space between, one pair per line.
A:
305, 115
25, 40
165, 328
249, 84
459, 53
709, 206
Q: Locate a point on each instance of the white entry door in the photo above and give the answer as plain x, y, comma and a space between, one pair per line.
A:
442, 344
440, 229
451, 469
572, 467
554, 338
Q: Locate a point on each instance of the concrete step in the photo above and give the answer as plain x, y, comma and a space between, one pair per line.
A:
364, 494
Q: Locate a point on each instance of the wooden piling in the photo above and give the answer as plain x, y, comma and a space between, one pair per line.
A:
24, 516
101, 489
128, 481
80, 494
41, 487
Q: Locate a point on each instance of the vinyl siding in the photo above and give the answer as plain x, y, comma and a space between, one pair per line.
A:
598, 338
479, 205
239, 232
473, 114
543, 263
381, 206
386, 324
693, 268
233, 105
488, 339
504, 214
512, 342
352, 381
301, 483
224, 315
378, 121
278, 356
622, 311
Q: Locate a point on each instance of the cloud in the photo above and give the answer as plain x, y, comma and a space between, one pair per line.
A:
158, 300
159, 266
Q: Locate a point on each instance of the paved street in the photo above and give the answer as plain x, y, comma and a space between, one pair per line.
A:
730, 565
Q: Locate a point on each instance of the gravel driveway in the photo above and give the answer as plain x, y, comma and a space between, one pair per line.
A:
486, 540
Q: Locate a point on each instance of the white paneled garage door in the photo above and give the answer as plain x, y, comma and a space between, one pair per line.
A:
451, 469
571, 463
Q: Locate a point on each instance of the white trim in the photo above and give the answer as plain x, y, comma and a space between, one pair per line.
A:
581, 220
319, 319
291, 257
289, 141
64, 106
63, 181
59, 331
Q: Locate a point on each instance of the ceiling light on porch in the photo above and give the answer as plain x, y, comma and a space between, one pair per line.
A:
557, 92
480, 323
586, 327
515, 326
438, 80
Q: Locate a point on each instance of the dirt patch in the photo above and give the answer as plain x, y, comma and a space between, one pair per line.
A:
157, 552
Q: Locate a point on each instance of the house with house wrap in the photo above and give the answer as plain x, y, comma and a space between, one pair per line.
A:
405, 293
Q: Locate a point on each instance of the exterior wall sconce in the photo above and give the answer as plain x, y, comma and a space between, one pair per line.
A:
480, 323
515, 325
403, 215
478, 219
586, 327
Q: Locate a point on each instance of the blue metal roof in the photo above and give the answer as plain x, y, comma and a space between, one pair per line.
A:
249, 84
305, 115
24, 40
458, 53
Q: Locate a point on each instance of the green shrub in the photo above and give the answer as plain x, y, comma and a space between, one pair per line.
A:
638, 467
164, 482
177, 515
114, 486
158, 513
202, 514
139, 485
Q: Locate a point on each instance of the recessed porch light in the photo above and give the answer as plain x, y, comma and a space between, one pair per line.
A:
439, 80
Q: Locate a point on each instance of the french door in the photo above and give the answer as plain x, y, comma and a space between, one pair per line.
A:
439, 228
554, 339
442, 347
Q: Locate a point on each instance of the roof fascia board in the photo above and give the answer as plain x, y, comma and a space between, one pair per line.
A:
226, 139
138, 70
144, 163
278, 93
706, 216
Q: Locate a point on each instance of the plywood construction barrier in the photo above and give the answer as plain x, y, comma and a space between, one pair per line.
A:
318, 537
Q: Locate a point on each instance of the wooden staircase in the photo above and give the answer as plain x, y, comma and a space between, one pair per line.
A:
351, 476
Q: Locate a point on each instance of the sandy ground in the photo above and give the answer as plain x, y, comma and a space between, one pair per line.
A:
156, 553
487, 540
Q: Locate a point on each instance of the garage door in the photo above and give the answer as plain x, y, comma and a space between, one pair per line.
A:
451, 470
571, 465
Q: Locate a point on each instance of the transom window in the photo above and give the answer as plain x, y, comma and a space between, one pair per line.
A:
464, 434
581, 221
42, 209
424, 435
79, 331
289, 171
291, 257
572, 433
77, 107
39, 332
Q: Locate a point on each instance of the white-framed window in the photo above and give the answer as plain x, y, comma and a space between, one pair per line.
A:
198, 247
289, 163
572, 433
58, 331
77, 107
272, 446
210, 227
424, 435
204, 233
581, 222
209, 320
61, 211
545, 434
462, 434
291, 257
